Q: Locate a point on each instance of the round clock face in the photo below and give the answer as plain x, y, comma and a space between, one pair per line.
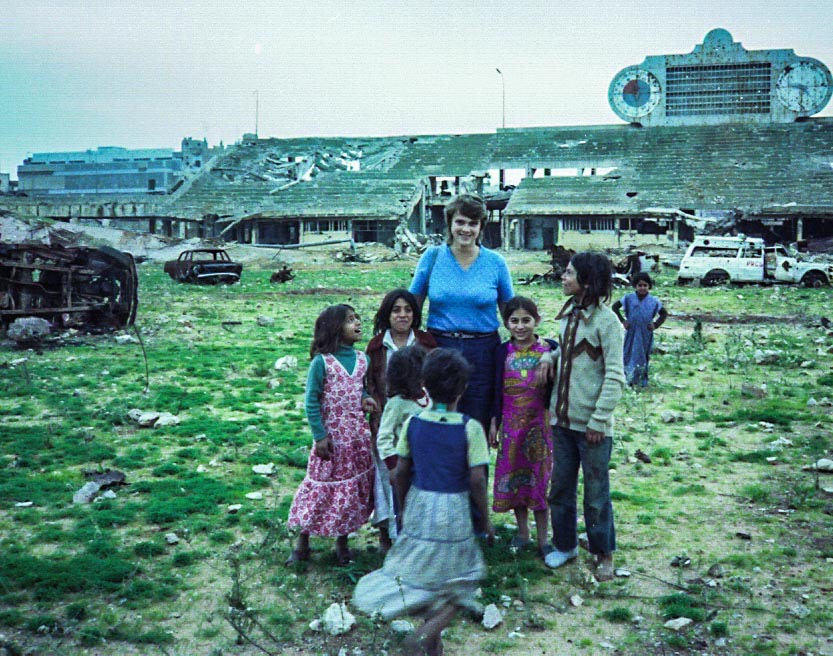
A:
634, 93
804, 87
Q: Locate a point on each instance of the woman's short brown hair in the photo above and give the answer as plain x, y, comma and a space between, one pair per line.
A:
468, 205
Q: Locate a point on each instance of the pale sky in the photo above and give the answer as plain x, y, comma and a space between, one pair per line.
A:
77, 75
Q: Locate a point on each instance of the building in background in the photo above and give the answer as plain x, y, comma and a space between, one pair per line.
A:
110, 170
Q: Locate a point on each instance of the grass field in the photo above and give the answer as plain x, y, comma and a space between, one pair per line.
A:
726, 487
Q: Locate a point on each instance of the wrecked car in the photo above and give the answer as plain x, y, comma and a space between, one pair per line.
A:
77, 286
204, 265
722, 260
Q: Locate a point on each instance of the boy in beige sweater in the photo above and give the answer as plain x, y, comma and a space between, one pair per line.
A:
590, 380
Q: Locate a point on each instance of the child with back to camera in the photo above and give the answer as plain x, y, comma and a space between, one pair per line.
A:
644, 313
588, 387
521, 421
435, 565
405, 398
335, 496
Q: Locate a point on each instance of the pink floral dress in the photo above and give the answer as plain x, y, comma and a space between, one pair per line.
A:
336, 496
524, 462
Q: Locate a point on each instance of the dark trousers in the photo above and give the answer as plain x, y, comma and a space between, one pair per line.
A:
479, 352
571, 450
476, 401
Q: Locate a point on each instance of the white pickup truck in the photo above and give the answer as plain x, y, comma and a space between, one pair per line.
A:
721, 260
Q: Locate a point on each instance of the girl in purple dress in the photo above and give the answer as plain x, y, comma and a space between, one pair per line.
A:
643, 315
520, 424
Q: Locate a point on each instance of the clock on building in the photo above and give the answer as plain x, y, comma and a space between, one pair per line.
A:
634, 93
804, 86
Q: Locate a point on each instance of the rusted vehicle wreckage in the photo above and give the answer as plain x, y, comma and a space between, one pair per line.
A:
204, 265
71, 287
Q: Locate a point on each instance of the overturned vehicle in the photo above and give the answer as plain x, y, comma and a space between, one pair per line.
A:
71, 287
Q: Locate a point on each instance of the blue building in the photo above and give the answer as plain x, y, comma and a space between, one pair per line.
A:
110, 170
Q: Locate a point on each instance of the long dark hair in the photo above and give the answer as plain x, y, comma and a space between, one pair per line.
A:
327, 333
381, 322
594, 273
404, 374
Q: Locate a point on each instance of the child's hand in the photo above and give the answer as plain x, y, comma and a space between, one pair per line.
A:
324, 448
493, 439
369, 404
627, 324
651, 326
544, 372
594, 437
490, 535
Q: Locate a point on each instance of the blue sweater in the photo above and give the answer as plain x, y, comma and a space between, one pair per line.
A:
463, 300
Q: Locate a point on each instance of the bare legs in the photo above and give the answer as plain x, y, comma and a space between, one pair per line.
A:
302, 550
541, 526
427, 641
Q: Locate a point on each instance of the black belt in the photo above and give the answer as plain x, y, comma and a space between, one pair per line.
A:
461, 334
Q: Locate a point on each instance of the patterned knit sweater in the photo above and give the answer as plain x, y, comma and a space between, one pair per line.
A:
590, 376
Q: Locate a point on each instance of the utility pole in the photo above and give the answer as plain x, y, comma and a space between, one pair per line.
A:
503, 98
257, 109
502, 175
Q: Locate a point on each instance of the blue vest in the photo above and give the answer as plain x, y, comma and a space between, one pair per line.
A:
440, 455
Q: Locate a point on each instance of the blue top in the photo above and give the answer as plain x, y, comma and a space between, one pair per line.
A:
463, 300
443, 446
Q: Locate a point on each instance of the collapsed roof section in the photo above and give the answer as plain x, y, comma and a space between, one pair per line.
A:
777, 169
369, 178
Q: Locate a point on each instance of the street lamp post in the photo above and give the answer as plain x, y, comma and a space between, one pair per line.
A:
501, 175
257, 109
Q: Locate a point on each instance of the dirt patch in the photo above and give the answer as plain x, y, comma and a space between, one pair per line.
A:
713, 317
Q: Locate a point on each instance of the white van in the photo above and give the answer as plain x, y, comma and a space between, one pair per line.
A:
721, 260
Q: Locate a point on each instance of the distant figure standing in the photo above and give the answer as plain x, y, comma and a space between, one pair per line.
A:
644, 313
435, 565
334, 499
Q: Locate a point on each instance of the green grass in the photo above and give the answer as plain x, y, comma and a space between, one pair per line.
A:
89, 571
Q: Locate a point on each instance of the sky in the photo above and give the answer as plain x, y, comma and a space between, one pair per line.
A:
78, 75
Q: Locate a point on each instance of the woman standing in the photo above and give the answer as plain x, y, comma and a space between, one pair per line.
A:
466, 284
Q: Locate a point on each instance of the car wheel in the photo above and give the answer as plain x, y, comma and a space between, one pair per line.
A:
715, 277
814, 279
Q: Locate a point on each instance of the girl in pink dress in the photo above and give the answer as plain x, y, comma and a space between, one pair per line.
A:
336, 496
520, 425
